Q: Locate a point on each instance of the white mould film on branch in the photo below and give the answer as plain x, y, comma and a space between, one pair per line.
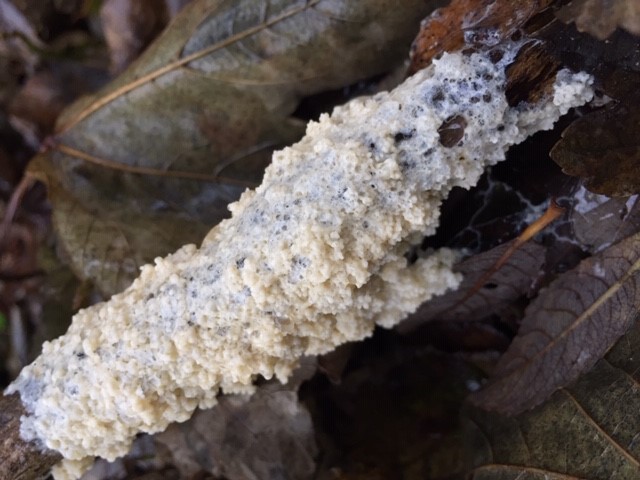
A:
313, 258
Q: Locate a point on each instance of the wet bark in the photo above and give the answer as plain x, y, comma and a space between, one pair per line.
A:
20, 460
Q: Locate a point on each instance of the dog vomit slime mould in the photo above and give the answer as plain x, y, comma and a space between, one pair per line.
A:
311, 259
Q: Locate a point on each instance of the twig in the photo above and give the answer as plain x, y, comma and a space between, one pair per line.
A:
550, 215
14, 203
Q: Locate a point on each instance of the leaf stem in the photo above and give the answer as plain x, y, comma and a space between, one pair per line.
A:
202, 177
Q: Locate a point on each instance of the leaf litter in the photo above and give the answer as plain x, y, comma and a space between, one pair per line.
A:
587, 430
567, 329
267, 435
588, 235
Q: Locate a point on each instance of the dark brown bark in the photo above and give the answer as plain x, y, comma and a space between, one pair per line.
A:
20, 460
445, 29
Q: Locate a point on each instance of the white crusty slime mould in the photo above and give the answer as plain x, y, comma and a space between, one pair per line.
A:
312, 258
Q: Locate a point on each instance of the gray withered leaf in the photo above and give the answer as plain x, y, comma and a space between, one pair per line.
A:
150, 162
567, 329
267, 435
605, 221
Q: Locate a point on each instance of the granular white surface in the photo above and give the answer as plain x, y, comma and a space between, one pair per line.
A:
311, 259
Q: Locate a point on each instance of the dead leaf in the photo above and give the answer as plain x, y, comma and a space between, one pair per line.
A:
567, 329
603, 148
397, 400
18, 38
502, 289
18, 44
129, 26
599, 221
585, 431
601, 17
151, 161
269, 435
110, 248
440, 32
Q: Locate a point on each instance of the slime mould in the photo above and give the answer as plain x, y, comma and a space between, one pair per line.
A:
312, 258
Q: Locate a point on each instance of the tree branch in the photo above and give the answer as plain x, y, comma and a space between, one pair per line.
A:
20, 460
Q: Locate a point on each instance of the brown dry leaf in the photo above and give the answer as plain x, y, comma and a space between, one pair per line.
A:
150, 163
129, 26
601, 17
19, 272
470, 22
440, 32
567, 329
502, 289
603, 148
588, 430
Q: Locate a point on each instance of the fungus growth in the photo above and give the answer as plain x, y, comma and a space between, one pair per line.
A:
312, 258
